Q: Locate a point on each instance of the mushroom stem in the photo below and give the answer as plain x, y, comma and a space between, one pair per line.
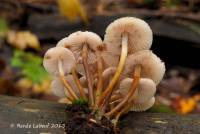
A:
136, 78
122, 111
78, 83
115, 101
100, 80
66, 84
119, 70
115, 97
88, 75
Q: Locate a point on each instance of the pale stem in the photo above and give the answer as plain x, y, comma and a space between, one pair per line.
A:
136, 78
119, 70
88, 75
78, 83
65, 82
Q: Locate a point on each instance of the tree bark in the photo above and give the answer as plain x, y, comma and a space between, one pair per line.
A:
15, 112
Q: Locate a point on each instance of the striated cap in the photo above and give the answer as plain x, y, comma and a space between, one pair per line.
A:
152, 67
145, 90
77, 40
143, 106
53, 55
139, 35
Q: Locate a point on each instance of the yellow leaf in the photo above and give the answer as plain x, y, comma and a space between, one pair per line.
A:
72, 9
187, 105
23, 40
24, 83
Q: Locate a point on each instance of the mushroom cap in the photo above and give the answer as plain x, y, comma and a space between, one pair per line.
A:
83, 81
139, 107
110, 60
58, 87
145, 91
152, 67
75, 42
107, 74
53, 55
140, 36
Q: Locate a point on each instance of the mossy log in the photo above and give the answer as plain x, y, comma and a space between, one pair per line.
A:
28, 116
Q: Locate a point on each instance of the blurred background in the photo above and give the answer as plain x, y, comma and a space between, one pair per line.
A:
29, 27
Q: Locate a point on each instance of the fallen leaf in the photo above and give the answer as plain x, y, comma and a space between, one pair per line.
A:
23, 40
72, 9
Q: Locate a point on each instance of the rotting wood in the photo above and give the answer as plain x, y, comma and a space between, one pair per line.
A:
55, 27
15, 112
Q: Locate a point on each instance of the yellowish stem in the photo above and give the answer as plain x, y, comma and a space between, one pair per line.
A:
78, 83
100, 80
122, 111
136, 78
88, 75
119, 70
65, 82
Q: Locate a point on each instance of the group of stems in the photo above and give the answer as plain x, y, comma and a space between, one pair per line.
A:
103, 97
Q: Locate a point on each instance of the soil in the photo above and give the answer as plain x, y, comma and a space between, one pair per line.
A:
81, 122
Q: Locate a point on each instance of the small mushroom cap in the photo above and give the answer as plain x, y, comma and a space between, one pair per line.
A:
58, 87
83, 81
107, 75
152, 67
143, 106
53, 55
110, 60
145, 91
75, 42
139, 35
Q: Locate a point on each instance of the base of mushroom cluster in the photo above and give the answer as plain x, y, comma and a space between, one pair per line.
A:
83, 121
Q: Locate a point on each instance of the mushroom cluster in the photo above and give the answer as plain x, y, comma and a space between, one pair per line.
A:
115, 76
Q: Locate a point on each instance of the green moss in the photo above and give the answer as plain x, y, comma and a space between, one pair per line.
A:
161, 109
80, 101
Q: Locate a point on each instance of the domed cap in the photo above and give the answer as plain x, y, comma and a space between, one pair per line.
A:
139, 35
53, 55
145, 91
152, 67
75, 42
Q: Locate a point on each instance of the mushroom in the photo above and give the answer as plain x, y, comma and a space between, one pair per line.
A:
123, 36
133, 87
106, 76
151, 66
138, 32
56, 54
59, 61
145, 64
58, 88
145, 90
86, 45
77, 40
